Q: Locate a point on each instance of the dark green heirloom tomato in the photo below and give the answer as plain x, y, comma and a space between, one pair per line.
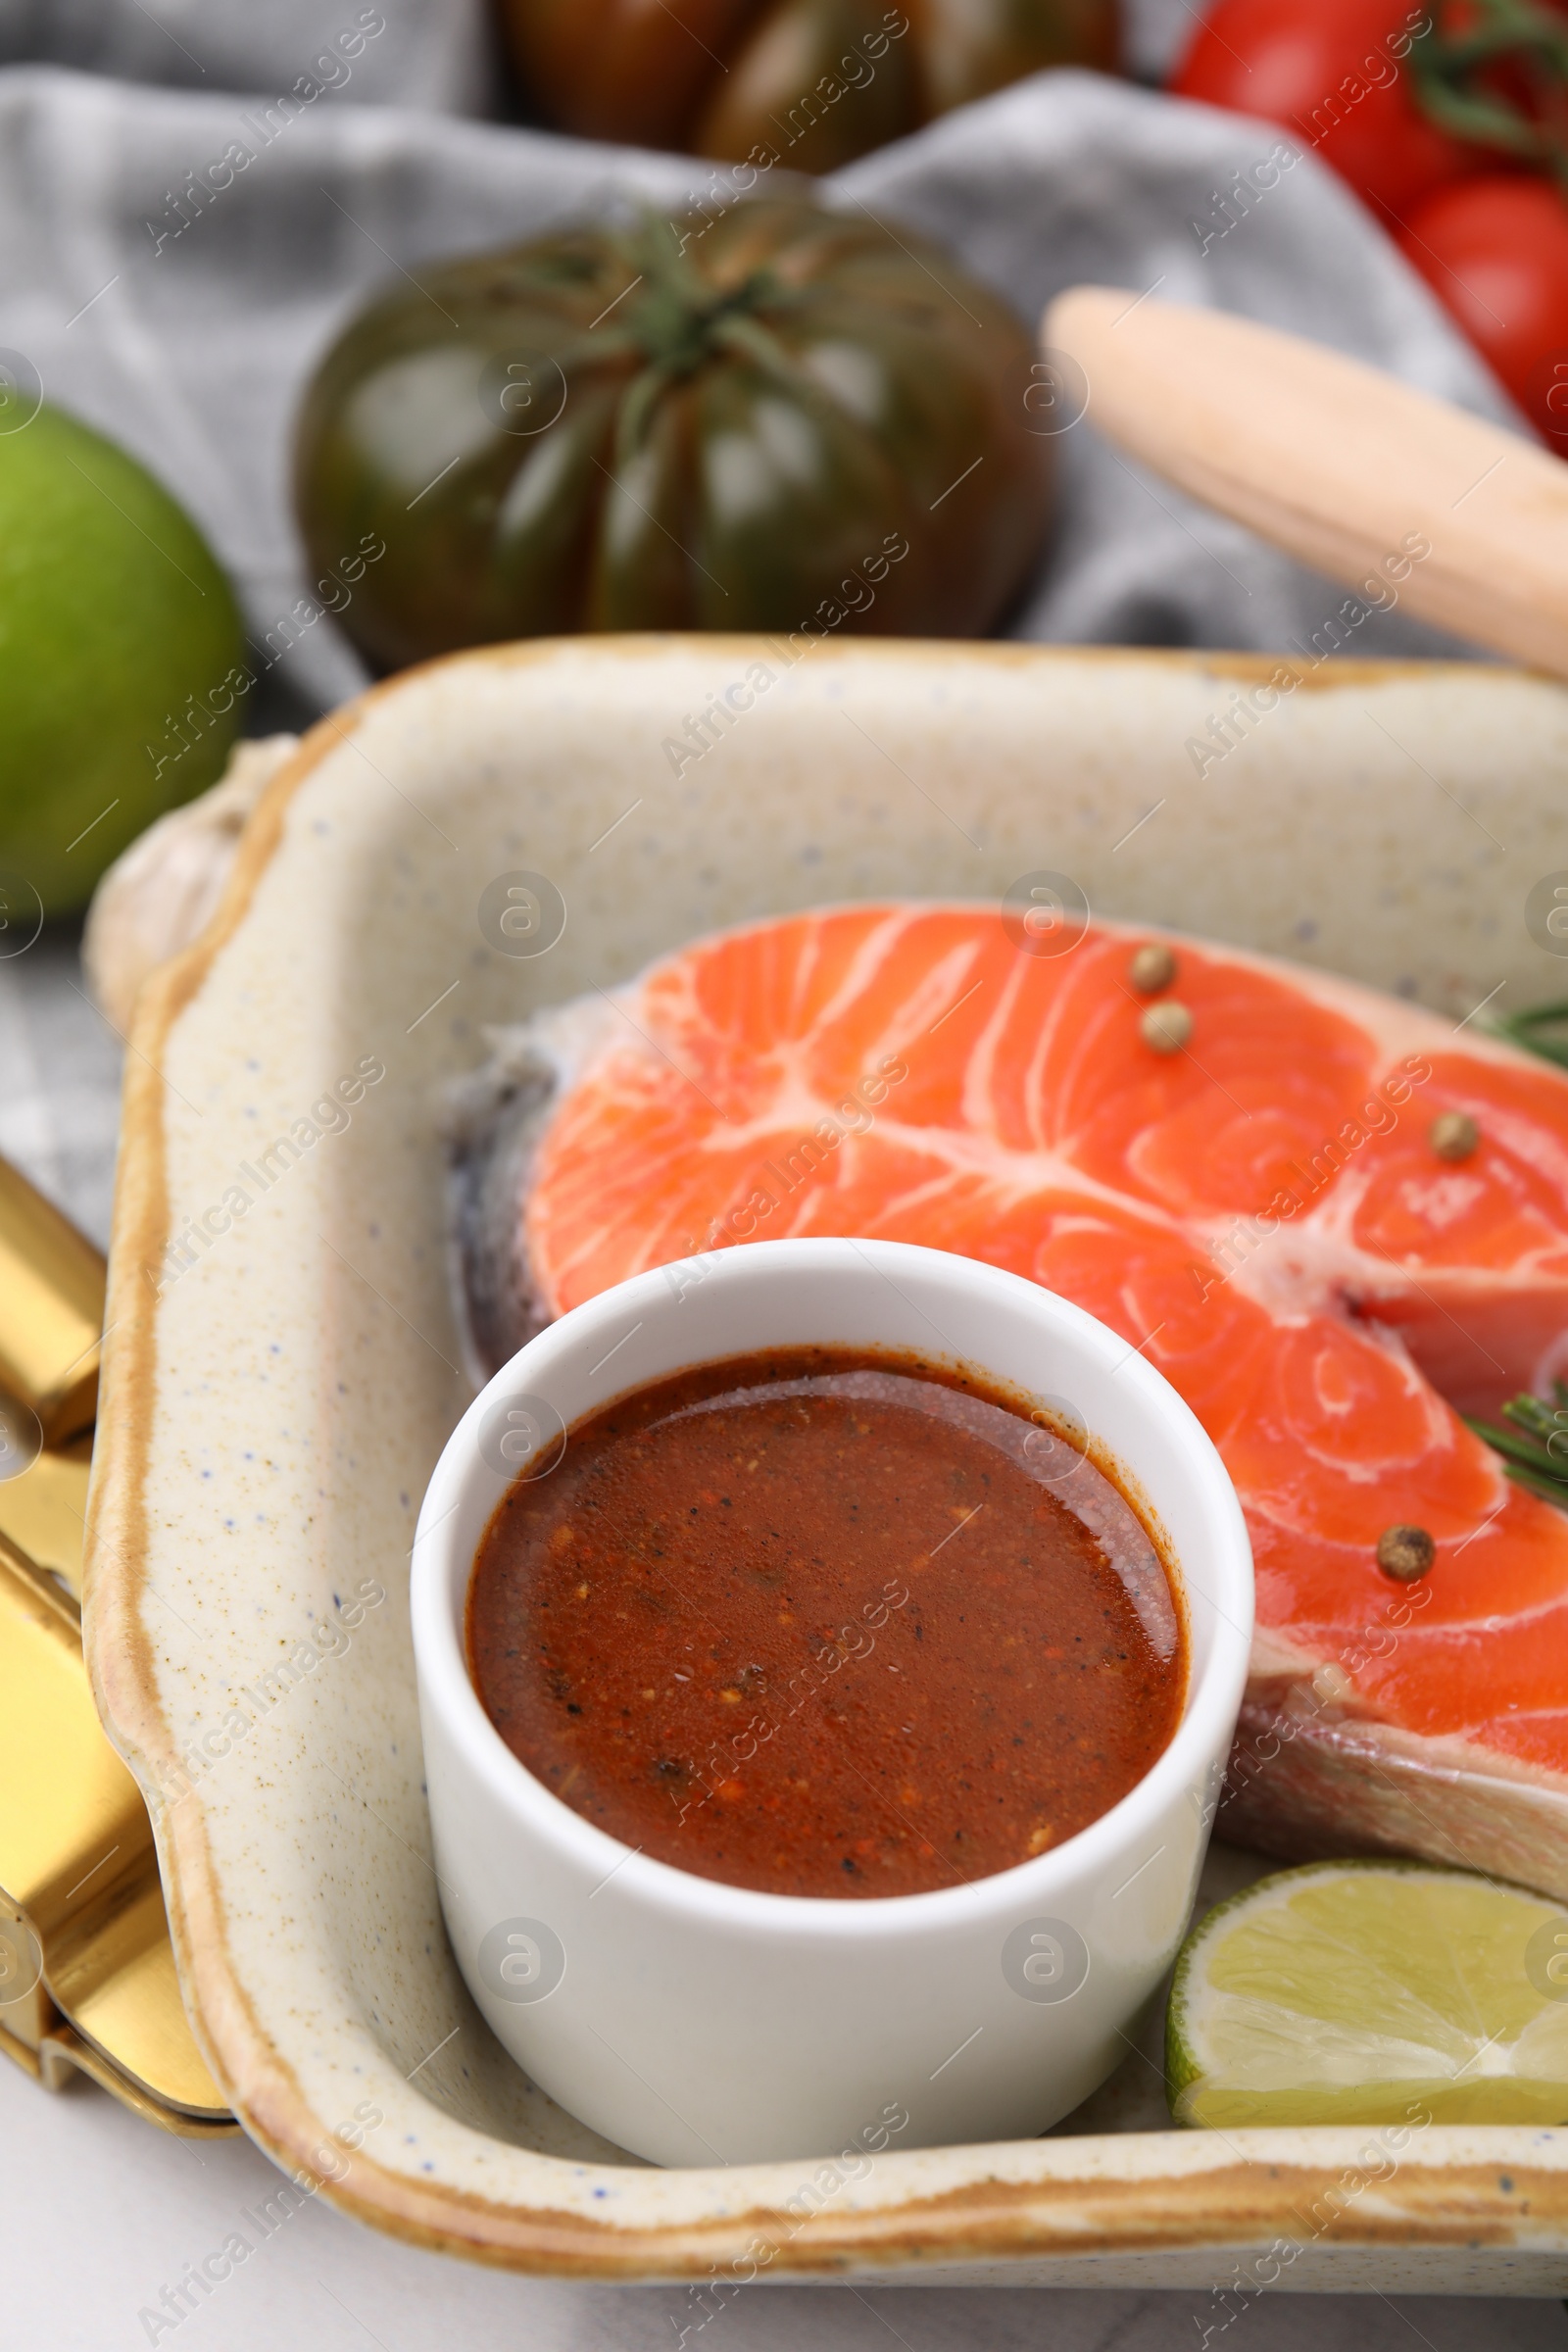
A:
777, 416
807, 83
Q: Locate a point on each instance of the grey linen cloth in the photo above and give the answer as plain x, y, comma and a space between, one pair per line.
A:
180, 308
431, 53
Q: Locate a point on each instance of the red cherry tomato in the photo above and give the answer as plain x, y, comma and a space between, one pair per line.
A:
1335, 74
1495, 254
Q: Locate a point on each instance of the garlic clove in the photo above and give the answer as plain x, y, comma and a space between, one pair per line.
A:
160, 893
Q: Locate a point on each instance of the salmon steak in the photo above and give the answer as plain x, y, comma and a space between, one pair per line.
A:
1334, 1222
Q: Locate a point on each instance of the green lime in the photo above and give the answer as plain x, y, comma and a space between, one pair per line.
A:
1372, 1992
121, 657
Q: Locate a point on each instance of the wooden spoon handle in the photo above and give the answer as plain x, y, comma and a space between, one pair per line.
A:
1336, 462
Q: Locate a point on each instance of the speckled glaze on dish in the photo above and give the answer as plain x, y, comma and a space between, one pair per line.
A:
271, 1413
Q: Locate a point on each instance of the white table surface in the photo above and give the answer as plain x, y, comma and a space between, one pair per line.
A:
99, 2212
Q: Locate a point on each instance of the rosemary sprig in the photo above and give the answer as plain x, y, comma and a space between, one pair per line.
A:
1527, 1029
1534, 1450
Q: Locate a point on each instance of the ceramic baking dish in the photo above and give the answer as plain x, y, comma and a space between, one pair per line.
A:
279, 1379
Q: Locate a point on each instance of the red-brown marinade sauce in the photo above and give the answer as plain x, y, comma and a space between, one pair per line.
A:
826, 1623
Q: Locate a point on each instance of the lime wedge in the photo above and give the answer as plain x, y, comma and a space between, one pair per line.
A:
1370, 1992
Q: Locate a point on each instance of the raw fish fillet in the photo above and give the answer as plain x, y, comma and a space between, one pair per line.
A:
1262, 1213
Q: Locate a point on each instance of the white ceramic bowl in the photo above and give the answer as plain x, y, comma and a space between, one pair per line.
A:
697, 2023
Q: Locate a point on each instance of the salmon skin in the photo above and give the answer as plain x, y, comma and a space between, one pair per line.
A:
1262, 1211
